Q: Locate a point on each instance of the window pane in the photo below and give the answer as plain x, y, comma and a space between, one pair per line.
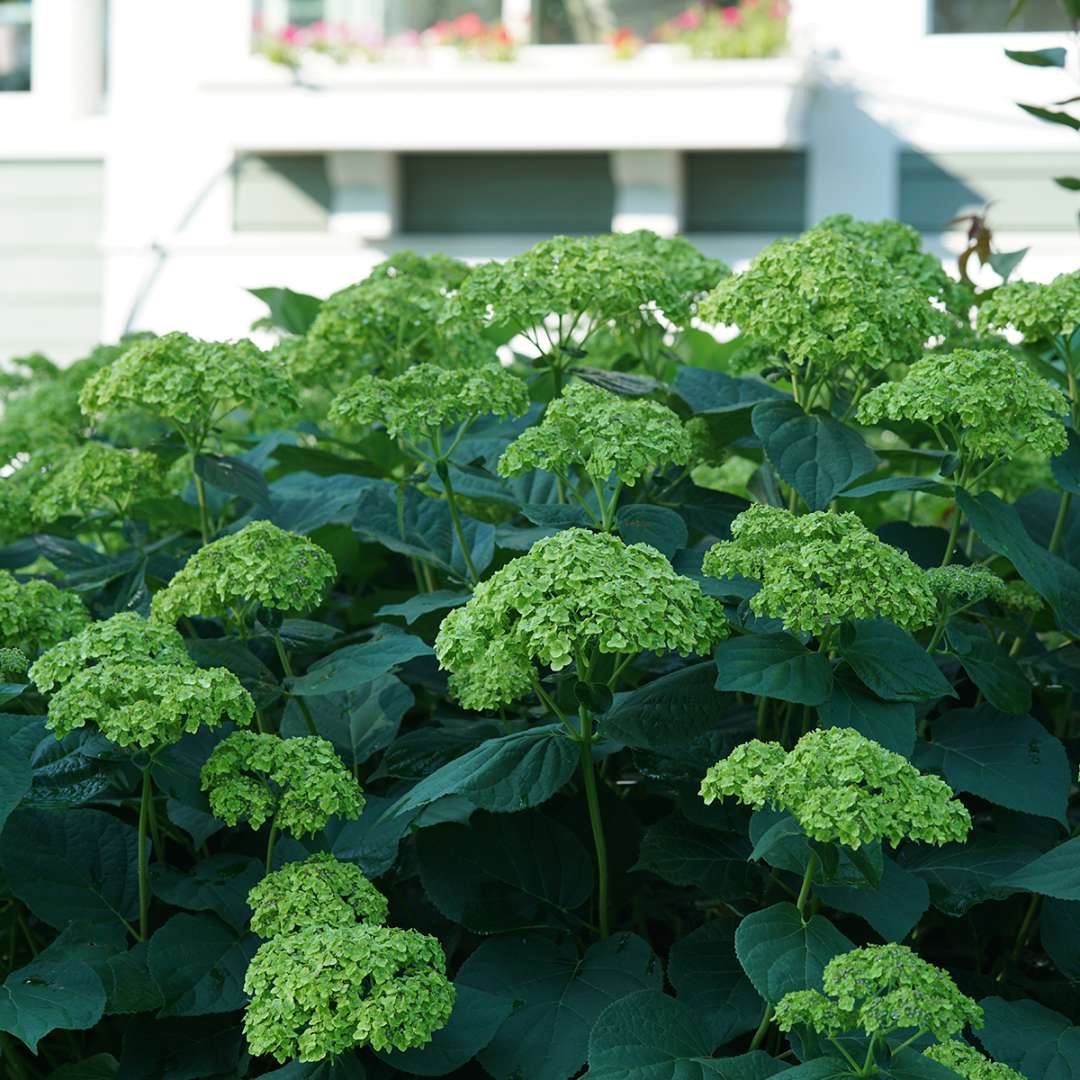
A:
991, 16
14, 45
558, 22
746, 191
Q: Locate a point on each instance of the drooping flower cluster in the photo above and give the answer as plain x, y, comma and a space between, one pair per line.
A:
13, 663
958, 587
260, 564
35, 615
573, 594
879, 989
1038, 311
841, 787
298, 784
966, 1061
1021, 599
601, 433
991, 403
426, 398
821, 569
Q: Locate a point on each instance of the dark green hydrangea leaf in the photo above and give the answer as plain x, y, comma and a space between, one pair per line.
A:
219, 884
891, 663
1055, 873
893, 909
1036, 1041
773, 665
685, 853
962, 875
891, 723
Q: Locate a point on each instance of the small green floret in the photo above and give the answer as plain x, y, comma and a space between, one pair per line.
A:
261, 564
958, 587
148, 705
820, 569
126, 638
602, 433
572, 594
879, 989
35, 615
967, 1062
299, 784
841, 788
318, 892
1038, 311
322, 991
13, 663
991, 403
1022, 599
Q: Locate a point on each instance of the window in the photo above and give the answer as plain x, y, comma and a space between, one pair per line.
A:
745, 192
281, 193
379, 17
15, 44
992, 16
578, 22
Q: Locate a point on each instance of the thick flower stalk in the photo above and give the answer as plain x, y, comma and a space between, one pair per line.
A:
841, 788
1041, 312
572, 597
820, 569
966, 1061
148, 705
318, 892
126, 638
321, 991
35, 615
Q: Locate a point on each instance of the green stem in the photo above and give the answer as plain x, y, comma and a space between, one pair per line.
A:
1021, 936
762, 1028
850, 1060
1059, 521
868, 1063
271, 840
459, 532
936, 636
588, 775
954, 532
204, 514
286, 667
907, 1042
807, 881
141, 854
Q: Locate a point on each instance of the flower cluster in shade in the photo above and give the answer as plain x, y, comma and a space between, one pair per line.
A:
820, 569
298, 784
332, 976
574, 594
966, 1061
426, 398
1038, 311
991, 403
602, 433
841, 787
958, 587
879, 989
1021, 599
826, 299
13, 663
261, 564
35, 614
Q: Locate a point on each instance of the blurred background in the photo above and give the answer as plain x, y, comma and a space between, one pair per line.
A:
160, 157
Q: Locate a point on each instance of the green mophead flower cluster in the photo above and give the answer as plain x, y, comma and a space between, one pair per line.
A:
841, 787
35, 614
602, 433
966, 1061
958, 587
1038, 311
297, 784
427, 398
261, 564
821, 569
13, 663
879, 989
572, 594
990, 402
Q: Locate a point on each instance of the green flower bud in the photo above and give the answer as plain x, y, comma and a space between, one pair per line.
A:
841, 788
320, 891
299, 783
967, 1062
13, 663
1022, 599
322, 991
1038, 311
35, 615
961, 586
817, 570
573, 593
260, 564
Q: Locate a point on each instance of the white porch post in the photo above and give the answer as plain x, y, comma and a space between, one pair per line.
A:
67, 52
648, 191
364, 200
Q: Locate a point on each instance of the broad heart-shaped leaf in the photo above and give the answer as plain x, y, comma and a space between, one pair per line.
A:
1036, 1041
198, 963
186, 1048
232, 476
1059, 932
19, 735
817, 455
906, 1065
98, 1067
670, 709
708, 978
1055, 873
503, 775
556, 515
1066, 466
990, 667
893, 909
651, 1036
556, 997
960, 876
685, 853
425, 603
999, 527
71, 865
779, 953
293, 312
657, 526
476, 1017
504, 872
356, 665
371, 840
773, 665
890, 723
891, 663
219, 883
895, 483
1012, 761
303, 502
715, 392
344, 1067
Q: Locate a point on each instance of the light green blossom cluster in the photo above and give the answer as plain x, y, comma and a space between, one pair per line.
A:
958, 587
126, 638
991, 403
601, 432
320, 891
1021, 599
879, 989
1038, 311
97, 476
260, 564
426, 398
825, 300
148, 705
573, 594
17, 517
13, 663
966, 1061
35, 615
321, 991
841, 788
820, 569
298, 784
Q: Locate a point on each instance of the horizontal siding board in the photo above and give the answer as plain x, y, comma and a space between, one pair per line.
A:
745, 192
34, 273
282, 193
36, 182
